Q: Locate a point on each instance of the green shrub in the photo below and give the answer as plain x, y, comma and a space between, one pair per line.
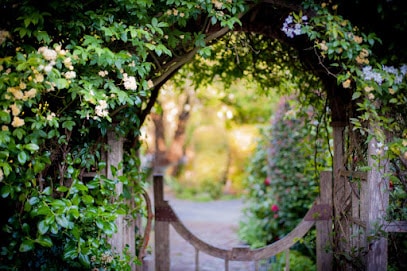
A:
283, 178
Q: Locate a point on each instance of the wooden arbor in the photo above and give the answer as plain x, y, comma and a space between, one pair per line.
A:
358, 206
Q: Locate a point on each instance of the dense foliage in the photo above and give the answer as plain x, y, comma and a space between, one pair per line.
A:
376, 85
70, 72
283, 181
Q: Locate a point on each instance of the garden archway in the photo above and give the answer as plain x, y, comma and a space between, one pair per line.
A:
266, 18
69, 70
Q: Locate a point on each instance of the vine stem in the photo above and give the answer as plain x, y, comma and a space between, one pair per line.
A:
147, 230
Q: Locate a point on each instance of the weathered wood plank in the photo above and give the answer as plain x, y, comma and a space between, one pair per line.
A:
324, 228
378, 202
125, 235
353, 174
396, 226
357, 226
358, 222
341, 198
161, 228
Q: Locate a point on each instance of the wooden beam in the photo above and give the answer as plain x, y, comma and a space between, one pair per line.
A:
125, 235
353, 174
341, 198
377, 205
161, 228
396, 226
324, 228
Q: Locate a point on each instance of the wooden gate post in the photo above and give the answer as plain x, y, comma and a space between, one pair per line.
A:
125, 235
341, 199
161, 228
378, 196
324, 227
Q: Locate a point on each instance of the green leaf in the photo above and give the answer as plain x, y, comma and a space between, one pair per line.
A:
84, 259
154, 22
26, 245
107, 227
61, 83
43, 227
87, 199
58, 203
68, 124
70, 251
356, 95
5, 191
26, 228
44, 241
93, 184
62, 188
80, 186
19, 133
124, 37
62, 221
33, 200
74, 212
22, 157
32, 147
70, 169
44, 210
47, 191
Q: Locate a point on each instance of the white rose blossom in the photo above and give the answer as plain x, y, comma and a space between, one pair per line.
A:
129, 82
101, 109
70, 75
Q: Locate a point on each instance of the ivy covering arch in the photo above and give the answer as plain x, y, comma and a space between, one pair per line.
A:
70, 72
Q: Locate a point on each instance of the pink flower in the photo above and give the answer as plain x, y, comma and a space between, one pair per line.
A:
274, 208
267, 181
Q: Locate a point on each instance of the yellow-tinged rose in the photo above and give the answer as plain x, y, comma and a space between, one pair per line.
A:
22, 85
29, 94
15, 109
17, 122
357, 39
323, 46
346, 84
368, 89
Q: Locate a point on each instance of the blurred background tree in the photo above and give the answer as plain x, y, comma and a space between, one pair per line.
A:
212, 131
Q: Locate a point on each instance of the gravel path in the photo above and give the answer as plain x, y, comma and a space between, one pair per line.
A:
214, 222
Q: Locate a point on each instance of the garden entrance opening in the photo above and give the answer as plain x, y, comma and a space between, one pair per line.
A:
165, 216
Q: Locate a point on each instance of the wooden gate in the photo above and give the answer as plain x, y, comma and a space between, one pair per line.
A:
320, 215
349, 216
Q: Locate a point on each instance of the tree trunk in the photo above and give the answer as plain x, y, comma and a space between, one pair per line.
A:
174, 155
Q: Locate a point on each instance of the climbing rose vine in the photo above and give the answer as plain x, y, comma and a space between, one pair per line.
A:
71, 73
